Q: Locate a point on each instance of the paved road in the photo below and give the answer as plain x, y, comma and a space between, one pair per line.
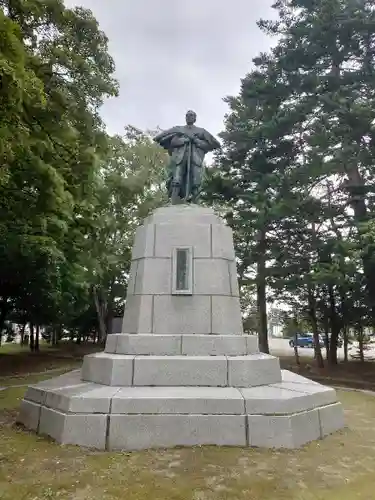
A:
280, 347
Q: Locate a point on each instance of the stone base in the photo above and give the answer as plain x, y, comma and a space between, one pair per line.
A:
181, 360
181, 373
287, 414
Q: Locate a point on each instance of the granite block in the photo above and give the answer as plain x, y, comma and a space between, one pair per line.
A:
222, 242
139, 432
182, 315
331, 419
108, 369
283, 431
149, 344
211, 277
93, 398
178, 400
252, 343
82, 430
253, 370
138, 314
226, 316
171, 235
29, 415
180, 371
144, 242
214, 345
111, 343
154, 277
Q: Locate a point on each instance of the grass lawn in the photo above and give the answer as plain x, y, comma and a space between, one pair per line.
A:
16, 360
352, 374
341, 467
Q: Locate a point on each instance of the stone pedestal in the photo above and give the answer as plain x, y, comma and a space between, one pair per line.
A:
182, 373
211, 303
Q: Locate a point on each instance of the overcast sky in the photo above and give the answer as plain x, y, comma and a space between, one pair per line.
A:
174, 55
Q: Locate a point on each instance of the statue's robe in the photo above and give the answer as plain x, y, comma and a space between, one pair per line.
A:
185, 168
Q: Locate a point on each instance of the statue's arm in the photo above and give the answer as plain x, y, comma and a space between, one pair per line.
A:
164, 138
161, 136
202, 144
172, 138
178, 141
208, 143
212, 141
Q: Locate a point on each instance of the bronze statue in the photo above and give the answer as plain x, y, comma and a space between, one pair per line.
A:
187, 146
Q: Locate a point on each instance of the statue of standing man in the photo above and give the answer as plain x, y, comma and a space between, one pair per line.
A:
187, 146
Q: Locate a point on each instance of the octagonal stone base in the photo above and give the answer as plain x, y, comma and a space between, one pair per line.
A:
286, 414
181, 372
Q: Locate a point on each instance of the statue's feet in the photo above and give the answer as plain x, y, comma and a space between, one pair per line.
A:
175, 198
194, 198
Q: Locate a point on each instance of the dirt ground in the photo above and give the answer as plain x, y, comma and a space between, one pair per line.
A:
341, 467
353, 374
34, 468
16, 361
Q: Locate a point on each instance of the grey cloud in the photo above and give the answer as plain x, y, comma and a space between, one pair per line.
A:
172, 56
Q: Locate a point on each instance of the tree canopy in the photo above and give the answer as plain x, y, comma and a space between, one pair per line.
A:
70, 195
295, 177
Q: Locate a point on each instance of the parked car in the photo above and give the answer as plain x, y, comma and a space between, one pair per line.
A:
306, 340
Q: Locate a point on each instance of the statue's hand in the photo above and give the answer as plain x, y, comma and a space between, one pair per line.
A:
198, 142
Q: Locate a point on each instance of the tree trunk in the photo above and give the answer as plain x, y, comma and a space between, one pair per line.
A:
23, 327
295, 347
109, 319
311, 300
332, 358
32, 339
37, 333
261, 293
79, 338
4, 310
346, 344
326, 342
326, 337
101, 313
109, 310
325, 322
314, 324
357, 198
54, 336
360, 344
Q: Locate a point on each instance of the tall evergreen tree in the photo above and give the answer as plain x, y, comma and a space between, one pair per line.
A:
327, 54
304, 120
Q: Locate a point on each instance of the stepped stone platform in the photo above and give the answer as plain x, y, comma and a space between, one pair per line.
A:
183, 373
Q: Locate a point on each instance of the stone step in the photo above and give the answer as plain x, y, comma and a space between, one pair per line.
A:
70, 394
208, 371
139, 432
284, 415
174, 345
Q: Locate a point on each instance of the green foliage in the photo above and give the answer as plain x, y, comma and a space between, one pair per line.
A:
297, 172
291, 326
294, 178
129, 186
70, 195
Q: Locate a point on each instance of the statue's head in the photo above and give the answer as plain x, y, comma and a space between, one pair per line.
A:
191, 117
